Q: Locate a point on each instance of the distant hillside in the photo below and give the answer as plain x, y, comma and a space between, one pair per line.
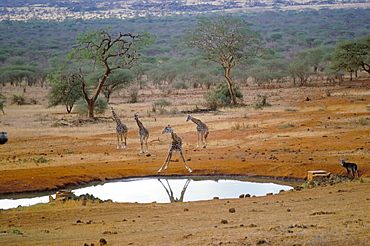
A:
88, 9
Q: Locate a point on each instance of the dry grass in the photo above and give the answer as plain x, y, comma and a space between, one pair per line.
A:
238, 145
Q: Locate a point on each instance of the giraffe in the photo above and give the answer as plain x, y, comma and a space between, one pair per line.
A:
202, 130
143, 134
121, 130
176, 145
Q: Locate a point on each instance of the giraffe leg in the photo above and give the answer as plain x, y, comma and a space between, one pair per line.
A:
168, 160
146, 144
186, 164
141, 145
198, 140
165, 164
205, 139
125, 137
118, 141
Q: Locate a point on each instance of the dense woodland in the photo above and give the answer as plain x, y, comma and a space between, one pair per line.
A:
37, 48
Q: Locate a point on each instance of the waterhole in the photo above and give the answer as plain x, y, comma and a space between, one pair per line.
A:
160, 190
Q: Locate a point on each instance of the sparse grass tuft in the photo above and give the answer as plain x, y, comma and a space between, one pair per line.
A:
286, 126
362, 122
291, 109
68, 152
41, 159
239, 126
16, 231
358, 100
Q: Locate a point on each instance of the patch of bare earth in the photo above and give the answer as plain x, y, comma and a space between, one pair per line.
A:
50, 150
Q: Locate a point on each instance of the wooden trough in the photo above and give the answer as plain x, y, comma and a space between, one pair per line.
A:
317, 174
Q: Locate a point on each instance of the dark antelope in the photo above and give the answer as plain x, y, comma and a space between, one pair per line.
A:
3, 137
349, 166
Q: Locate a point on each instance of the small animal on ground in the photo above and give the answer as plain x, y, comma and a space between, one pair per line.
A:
350, 167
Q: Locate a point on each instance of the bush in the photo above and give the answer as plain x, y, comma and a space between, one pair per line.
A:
160, 103
211, 101
223, 93
134, 94
2, 105
2, 102
220, 96
262, 103
99, 108
18, 99
179, 85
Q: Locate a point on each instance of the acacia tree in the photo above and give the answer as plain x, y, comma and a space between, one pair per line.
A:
115, 82
102, 50
352, 55
225, 40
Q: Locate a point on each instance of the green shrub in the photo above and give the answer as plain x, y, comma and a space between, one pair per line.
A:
223, 93
286, 126
16, 232
134, 94
211, 101
2, 105
291, 109
362, 121
220, 96
18, 99
100, 106
262, 102
179, 85
159, 105
40, 159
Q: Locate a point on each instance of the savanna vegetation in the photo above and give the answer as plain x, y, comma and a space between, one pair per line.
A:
49, 149
300, 48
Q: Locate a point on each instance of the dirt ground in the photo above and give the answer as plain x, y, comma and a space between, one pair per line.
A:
49, 149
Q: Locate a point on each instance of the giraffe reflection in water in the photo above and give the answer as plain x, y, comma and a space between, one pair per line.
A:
170, 192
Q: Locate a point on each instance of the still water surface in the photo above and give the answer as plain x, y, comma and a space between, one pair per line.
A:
160, 190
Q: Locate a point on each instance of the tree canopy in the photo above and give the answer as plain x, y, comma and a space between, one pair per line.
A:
352, 55
225, 40
63, 91
101, 49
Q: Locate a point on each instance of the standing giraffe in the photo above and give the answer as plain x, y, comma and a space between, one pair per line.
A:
202, 130
121, 130
176, 145
143, 134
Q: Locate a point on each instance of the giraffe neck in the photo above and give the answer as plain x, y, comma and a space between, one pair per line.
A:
175, 138
116, 118
140, 125
196, 121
